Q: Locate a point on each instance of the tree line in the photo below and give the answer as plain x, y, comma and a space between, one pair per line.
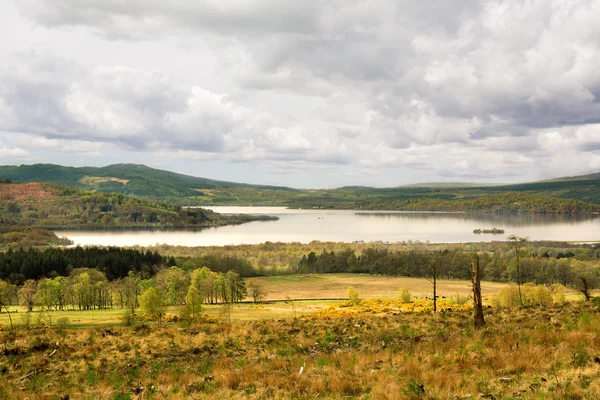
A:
500, 203
17, 266
533, 266
90, 289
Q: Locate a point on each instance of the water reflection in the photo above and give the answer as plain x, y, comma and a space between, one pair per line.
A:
504, 220
349, 226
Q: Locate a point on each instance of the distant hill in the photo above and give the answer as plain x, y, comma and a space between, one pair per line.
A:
137, 181
589, 177
177, 189
445, 185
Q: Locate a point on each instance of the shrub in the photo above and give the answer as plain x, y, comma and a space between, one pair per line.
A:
404, 296
152, 301
62, 323
353, 295
128, 318
460, 300
536, 295
533, 295
507, 297
558, 293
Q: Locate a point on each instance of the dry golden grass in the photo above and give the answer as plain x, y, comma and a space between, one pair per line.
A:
328, 286
535, 353
96, 180
280, 288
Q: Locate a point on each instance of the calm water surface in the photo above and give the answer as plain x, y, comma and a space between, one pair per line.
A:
349, 226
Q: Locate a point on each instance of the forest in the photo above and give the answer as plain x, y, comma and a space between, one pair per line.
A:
99, 278
89, 289
173, 270
53, 206
15, 236
500, 203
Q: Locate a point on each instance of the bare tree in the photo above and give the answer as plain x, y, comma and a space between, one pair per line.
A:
585, 290
256, 289
478, 319
434, 273
26, 294
517, 243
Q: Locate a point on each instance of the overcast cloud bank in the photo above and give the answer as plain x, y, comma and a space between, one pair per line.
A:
311, 93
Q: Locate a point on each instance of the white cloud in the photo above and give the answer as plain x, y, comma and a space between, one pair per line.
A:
477, 88
13, 153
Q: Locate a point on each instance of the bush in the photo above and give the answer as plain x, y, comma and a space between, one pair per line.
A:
533, 295
63, 323
460, 300
558, 293
404, 295
353, 295
507, 297
536, 295
128, 318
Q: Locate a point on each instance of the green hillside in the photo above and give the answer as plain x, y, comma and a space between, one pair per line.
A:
52, 206
183, 190
137, 181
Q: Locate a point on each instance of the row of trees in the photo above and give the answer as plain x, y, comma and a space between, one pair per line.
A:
17, 266
503, 203
89, 289
515, 266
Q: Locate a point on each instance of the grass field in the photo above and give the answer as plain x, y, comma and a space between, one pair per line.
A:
308, 292
113, 317
534, 353
374, 349
335, 286
286, 297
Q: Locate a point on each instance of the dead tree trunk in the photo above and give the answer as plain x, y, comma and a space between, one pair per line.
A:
435, 290
478, 320
433, 270
585, 289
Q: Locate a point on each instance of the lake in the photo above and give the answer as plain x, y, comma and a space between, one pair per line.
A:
352, 225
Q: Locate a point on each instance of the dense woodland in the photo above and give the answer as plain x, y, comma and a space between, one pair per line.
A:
54, 276
501, 203
55, 206
89, 289
539, 268
99, 278
540, 262
14, 236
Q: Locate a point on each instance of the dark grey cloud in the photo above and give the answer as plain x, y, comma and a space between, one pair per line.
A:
137, 19
470, 88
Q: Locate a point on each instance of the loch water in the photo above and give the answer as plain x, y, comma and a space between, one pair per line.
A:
354, 225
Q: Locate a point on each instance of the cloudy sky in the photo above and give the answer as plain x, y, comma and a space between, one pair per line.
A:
310, 93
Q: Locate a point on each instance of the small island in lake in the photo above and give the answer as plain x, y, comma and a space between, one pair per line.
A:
493, 231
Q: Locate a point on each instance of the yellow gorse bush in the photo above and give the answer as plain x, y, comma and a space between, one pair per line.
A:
533, 295
387, 306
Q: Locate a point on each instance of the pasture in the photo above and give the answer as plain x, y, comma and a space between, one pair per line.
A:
286, 297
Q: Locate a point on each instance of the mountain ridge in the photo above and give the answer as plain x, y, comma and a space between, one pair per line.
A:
141, 181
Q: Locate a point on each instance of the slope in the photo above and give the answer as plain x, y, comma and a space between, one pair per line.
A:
178, 189
145, 182
55, 206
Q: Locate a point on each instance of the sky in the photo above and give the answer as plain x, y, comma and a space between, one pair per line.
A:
310, 93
